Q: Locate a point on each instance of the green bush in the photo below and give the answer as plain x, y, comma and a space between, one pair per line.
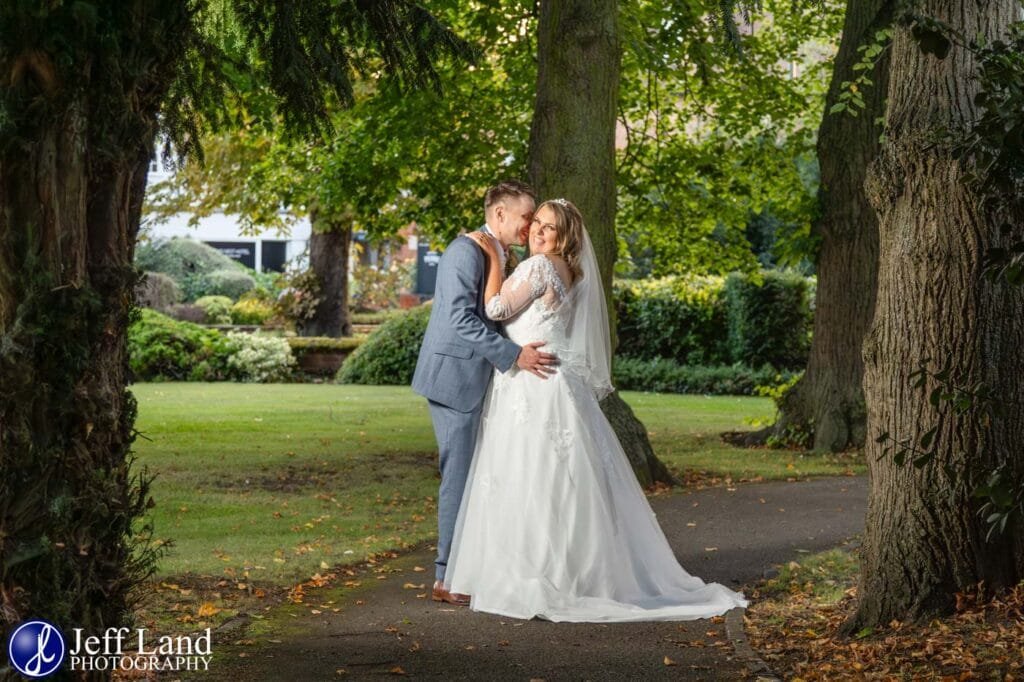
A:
217, 309
231, 282
163, 348
744, 319
678, 318
157, 291
389, 354
666, 376
770, 320
200, 270
258, 358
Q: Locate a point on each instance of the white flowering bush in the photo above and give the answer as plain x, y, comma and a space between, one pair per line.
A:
259, 358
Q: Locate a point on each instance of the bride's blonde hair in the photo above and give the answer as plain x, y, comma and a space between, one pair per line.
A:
569, 227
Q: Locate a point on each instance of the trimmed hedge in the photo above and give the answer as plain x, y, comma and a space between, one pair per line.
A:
389, 354
681, 318
744, 319
667, 376
770, 320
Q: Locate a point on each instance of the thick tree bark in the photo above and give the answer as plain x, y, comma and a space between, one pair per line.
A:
925, 540
68, 223
328, 257
572, 153
826, 406
77, 141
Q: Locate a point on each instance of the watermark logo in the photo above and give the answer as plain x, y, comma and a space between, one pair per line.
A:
36, 648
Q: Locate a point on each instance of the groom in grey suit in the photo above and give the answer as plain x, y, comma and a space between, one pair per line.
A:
460, 348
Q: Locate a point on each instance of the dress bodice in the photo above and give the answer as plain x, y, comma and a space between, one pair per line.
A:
534, 304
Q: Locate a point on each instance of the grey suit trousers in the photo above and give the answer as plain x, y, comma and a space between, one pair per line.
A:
456, 439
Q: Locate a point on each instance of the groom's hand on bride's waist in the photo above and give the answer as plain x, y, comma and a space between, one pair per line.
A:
536, 361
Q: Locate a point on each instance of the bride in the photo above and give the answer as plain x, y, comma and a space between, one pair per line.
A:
553, 523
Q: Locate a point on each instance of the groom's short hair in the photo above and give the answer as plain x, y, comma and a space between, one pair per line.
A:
505, 189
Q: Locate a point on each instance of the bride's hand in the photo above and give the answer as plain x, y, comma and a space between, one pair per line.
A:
485, 243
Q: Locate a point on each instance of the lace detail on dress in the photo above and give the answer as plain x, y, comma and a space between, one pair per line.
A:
531, 280
562, 439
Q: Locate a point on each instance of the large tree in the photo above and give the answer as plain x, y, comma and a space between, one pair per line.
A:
85, 89
825, 408
925, 540
572, 153
395, 157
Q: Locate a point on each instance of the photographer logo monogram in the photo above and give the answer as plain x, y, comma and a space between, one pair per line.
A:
37, 648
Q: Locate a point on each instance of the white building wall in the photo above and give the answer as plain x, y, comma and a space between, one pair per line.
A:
221, 227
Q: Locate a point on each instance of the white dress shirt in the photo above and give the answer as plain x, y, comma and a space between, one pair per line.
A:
502, 253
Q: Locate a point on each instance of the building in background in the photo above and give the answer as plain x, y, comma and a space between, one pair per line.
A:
265, 252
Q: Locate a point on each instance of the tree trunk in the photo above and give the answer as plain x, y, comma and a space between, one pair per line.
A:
68, 498
79, 125
328, 257
825, 408
572, 154
925, 540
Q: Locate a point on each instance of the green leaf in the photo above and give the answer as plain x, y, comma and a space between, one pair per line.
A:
924, 459
928, 437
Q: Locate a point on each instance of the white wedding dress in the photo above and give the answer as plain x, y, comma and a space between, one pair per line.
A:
553, 523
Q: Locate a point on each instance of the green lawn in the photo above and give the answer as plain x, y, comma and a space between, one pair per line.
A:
277, 482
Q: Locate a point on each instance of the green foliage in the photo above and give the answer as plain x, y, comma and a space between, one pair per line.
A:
667, 376
180, 258
714, 137
251, 310
743, 319
769, 321
258, 358
301, 344
850, 99
158, 291
389, 355
199, 269
230, 282
162, 348
677, 318
373, 318
217, 309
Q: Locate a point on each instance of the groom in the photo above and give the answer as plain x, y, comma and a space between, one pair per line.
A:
459, 350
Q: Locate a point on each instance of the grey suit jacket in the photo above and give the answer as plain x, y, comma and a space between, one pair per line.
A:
461, 344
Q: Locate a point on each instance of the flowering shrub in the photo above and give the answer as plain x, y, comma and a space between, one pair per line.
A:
252, 310
259, 358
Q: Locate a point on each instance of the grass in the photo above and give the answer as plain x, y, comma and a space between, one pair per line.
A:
276, 482
684, 432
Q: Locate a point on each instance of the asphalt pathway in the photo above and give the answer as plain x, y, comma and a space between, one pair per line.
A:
384, 629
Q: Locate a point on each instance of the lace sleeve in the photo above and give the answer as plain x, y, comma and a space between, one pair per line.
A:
525, 284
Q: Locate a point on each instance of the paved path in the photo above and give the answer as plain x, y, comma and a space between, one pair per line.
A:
721, 535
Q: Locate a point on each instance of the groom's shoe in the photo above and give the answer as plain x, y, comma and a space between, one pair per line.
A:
441, 594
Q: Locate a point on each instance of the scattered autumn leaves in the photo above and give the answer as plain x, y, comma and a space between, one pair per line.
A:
796, 631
